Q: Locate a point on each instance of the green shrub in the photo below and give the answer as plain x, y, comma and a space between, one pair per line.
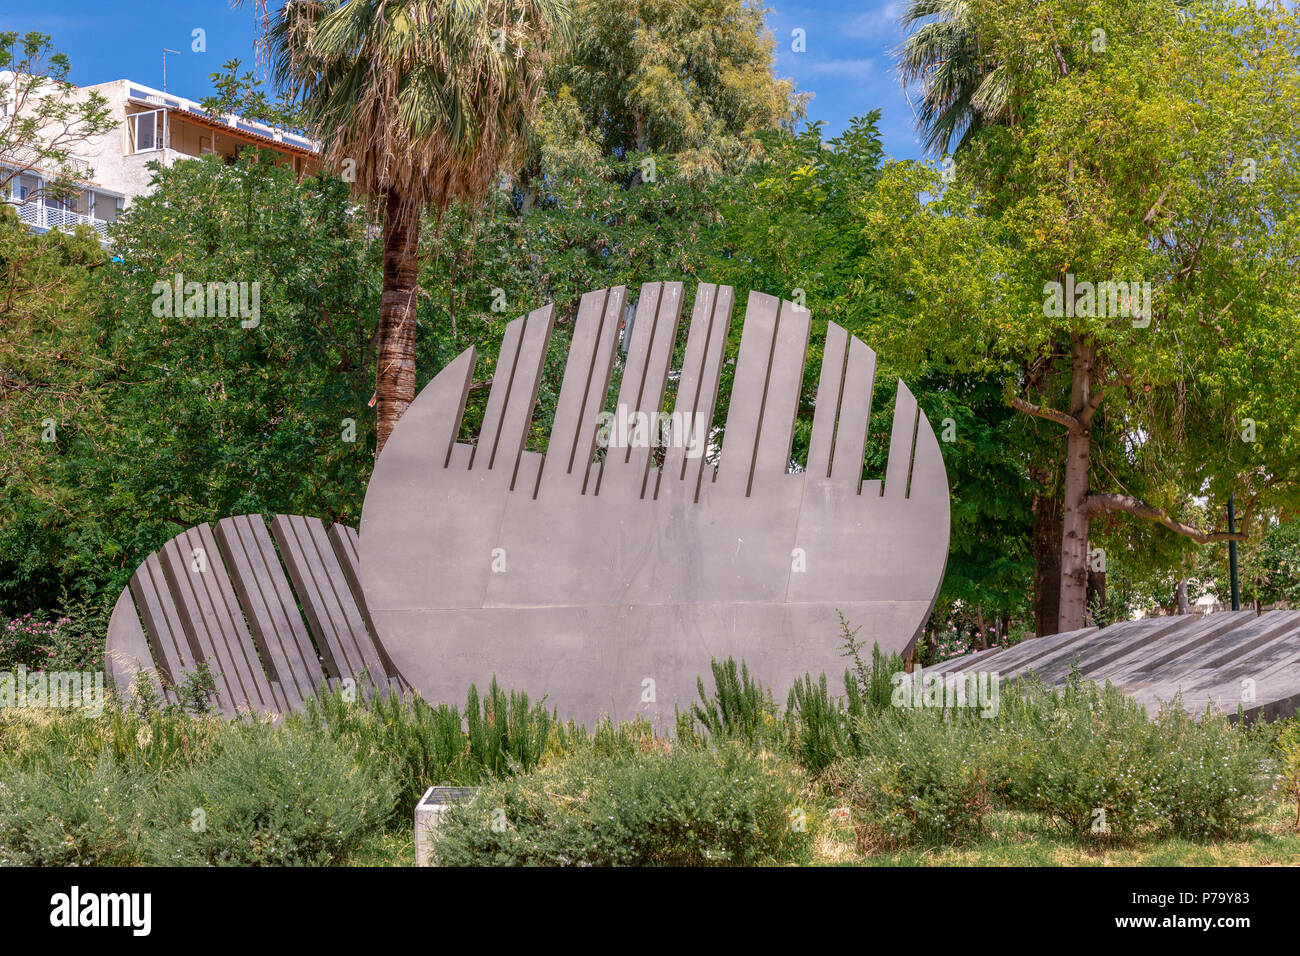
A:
1074, 752
72, 815
924, 776
821, 729
416, 744
419, 745
61, 644
505, 731
625, 738
686, 806
269, 797
1211, 777
739, 708
43, 740
1288, 748
875, 681
1085, 756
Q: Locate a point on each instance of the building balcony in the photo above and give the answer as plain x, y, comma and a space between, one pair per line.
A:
41, 218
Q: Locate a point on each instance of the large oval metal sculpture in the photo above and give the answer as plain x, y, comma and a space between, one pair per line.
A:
606, 579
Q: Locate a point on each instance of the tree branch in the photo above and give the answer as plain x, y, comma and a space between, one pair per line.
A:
1098, 503
1150, 215
1101, 394
1051, 414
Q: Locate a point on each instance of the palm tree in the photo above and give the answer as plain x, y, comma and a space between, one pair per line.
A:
420, 103
963, 88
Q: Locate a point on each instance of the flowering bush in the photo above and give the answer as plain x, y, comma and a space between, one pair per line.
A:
38, 644
957, 638
952, 644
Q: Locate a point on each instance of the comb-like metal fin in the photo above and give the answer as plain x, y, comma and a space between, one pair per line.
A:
902, 440
502, 372
855, 415
827, 410
582, 393
641, 393
781, 397
745, 412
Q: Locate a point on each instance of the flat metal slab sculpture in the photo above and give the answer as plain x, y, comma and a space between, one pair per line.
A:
1222, 661
230, 595
607, 578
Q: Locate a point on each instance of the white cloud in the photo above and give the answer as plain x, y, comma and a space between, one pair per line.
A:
859, 69
872, 24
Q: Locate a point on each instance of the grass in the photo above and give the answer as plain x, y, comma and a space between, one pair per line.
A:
386, 848
1020, 839
1014, 839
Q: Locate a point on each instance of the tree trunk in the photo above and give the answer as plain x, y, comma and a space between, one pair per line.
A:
1180, 597
979, 625
395, 347
1096, 591
1075, 519
527, 199
1045, 545
1045, 536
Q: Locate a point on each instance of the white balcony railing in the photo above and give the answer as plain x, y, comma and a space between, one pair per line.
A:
39, 216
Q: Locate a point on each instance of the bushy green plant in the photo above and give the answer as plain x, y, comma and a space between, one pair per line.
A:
740, 707
61, 644
72, 815
420, 745
683, 806
161, 741
1288, 747
269, 797
624, 738
1211, 775
505, 731
1088, 757
925, 776
874, 680
1085, 756
822, 729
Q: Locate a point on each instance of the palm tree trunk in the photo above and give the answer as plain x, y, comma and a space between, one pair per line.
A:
395, 369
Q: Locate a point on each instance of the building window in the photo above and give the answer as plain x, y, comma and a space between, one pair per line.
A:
146, 131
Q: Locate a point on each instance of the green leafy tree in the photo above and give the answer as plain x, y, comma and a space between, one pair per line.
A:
193, 416
595, 203
45, 119
1165, 158
49, 369
693, 79
244, 95
790, 225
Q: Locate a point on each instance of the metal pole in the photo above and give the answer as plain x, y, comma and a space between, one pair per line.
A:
165, 52
1232, 556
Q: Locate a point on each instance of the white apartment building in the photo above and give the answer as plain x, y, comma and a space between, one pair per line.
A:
150, 126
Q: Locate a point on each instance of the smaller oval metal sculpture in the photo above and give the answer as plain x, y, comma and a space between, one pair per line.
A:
605, 577
234, 595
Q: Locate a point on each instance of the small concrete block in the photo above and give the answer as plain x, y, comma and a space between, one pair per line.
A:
435, 802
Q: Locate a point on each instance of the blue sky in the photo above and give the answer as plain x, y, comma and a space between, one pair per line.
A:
847, 64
